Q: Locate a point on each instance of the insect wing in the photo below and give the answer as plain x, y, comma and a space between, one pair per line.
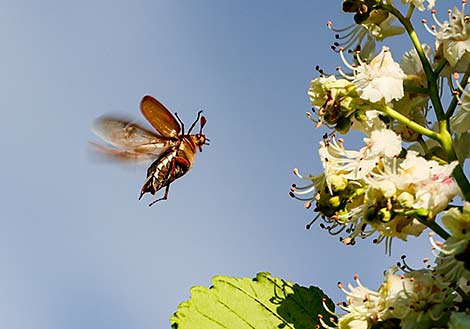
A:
130, 137
159, 117
122, 156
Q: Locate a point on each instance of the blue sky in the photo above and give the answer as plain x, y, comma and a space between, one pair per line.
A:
77, 249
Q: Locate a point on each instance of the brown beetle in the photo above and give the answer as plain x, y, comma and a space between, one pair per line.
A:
173, 149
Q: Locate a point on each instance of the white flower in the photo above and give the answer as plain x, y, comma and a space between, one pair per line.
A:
363, 306
414, 103
381, 79
433, 183
458, 222
453, 37
419, 4
321, 88
334, 99
381, 28
370, 123
414, 299
377, 26
383, 142
450, 267
460, 122
438, 190
358, 164
412, 66
385, 187
417, 298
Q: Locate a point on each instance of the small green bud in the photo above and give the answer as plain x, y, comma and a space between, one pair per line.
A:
360, 116
334, 201
343, 218
338, 183
384, 215
405, 200
423, 213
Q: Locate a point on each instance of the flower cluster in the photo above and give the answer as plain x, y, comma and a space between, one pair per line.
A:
378, 186
410, 166
347, 101
435, 297
402, 178
415, 299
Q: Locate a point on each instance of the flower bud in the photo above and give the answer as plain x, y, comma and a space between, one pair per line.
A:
423, 213
338, 183
334, 201
384, 215
406, 199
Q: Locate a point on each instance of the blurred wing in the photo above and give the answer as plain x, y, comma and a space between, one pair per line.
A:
131, 137
109, 153
159, 117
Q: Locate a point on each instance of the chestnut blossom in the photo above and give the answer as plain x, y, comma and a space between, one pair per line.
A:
415, 299
453, 37
377, 25
460, 122
451, 264
381, 79
419, 4
376, 189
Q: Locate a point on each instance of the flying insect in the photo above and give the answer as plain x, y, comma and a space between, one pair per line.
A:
172, 150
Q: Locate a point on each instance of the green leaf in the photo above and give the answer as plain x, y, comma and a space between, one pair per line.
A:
261, 303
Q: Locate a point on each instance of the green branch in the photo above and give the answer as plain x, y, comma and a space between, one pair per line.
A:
410, 123
430, 75
435, 227
455, 100
440, 66
444, 136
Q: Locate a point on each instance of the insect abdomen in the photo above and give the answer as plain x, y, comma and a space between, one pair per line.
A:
163, 171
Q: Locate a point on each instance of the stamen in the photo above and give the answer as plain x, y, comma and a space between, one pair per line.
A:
431, 30
349, 66
312, 222
329, 24
310, 189
436, 20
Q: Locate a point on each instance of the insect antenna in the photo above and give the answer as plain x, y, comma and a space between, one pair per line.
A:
194, 123
181, 123
203, 123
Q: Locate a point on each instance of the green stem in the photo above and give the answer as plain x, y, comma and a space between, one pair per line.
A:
431, 77
440, 66
410, 11
435, 227
458, 173
455, 100
444, 136
410, 123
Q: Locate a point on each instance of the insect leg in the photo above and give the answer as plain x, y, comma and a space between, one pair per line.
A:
165, 196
